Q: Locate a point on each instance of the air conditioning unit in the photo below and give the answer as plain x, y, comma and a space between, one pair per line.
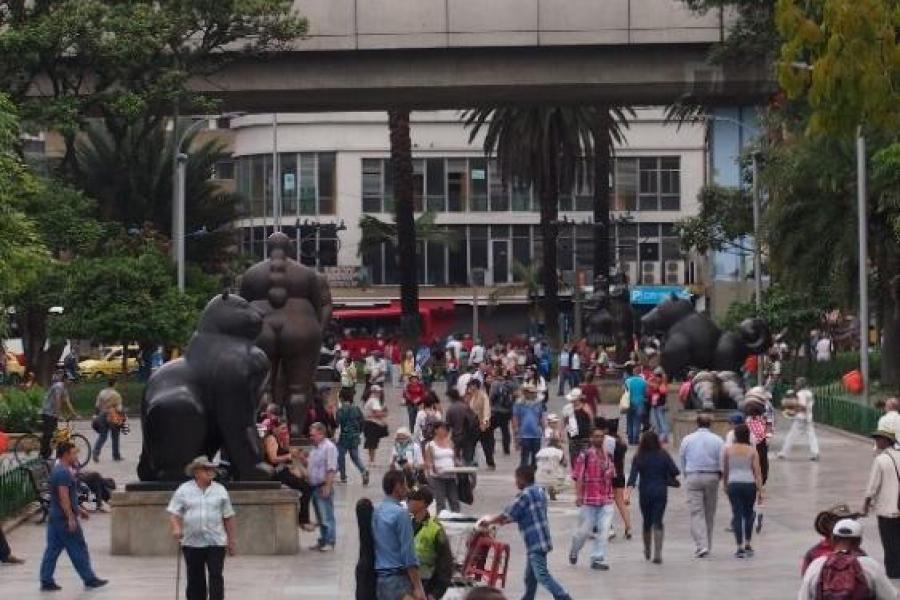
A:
630, 269
651, 273
674, 272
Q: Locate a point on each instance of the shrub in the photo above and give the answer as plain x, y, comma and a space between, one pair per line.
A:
20, 410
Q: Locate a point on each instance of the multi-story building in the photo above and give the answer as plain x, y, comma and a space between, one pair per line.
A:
334, 168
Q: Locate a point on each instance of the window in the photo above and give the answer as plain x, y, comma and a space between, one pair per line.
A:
372, 185
288, 180
584, 194
625, 178
478, 247
521, 196
458, 259
223, 169
327, 186
521, 247
457, 186
627, 242
418, 184
306, 183
436, 197
659, 183
584, 247
566, 248
498, 191
478, 192
436, 261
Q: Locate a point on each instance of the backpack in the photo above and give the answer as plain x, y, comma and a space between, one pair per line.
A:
502, 401
842, 579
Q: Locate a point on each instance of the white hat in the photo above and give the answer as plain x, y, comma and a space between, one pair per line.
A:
402, 432
574, 394
847, 528
201, 462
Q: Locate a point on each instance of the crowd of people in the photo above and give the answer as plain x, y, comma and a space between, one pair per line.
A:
575, 451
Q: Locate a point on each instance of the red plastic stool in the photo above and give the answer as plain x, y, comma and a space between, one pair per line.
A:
488, 551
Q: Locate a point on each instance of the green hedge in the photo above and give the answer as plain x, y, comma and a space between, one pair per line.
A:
84, 395
828, 372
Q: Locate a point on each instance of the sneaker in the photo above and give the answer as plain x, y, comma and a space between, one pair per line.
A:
322, 547
365, 478
780, 456
814, 458
748, 552
13, 560
599, 565
50, 587
701, 553
739, 553
97, 583
573, 558
309, 527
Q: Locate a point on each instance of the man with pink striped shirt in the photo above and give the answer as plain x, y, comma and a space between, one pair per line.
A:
593, 473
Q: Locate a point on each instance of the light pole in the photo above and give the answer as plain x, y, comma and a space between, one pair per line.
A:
178, 193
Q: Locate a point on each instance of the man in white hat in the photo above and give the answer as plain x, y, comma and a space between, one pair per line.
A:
202, 520
883, 496
838, 574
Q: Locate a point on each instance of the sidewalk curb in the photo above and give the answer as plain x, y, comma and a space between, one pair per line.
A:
23, 516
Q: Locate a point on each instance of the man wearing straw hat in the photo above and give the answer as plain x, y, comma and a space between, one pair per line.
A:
202, 520
883, 496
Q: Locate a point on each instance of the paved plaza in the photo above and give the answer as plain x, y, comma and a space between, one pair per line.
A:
797, 489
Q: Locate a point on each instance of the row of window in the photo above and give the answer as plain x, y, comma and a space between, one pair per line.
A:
308, 185
498, 249
315, 246
475, 185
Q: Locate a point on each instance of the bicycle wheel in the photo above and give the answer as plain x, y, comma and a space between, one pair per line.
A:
27, 447
84, 449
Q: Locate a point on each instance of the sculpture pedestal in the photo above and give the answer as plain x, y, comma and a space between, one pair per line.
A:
266, 520
684, 422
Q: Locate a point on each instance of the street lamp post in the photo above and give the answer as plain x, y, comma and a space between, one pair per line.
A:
178, 193
862, 234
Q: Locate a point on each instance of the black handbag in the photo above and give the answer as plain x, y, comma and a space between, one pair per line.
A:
673, 481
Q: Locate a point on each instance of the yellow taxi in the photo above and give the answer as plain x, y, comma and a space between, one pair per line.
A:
110, 364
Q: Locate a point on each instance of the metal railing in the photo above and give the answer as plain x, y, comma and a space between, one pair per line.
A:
16, 489
831, 409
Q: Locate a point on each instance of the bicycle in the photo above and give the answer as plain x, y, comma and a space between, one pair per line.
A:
28, 447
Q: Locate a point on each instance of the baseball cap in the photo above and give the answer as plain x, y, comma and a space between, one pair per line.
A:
847, 528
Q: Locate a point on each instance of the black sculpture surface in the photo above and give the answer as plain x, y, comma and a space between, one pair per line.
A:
611, 320
206, 401
723, 391
295, 303
691, 339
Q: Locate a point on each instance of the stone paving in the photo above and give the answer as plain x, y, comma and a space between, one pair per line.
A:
797, 489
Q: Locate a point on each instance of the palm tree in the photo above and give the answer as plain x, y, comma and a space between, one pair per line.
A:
376, 232
404, 215
132, 183
549, 147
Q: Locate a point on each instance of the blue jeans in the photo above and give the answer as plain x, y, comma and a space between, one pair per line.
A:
659, 420
342, 460
528, 448
590, 517
59, 538
743, 499
393, 587
633, 423
324, 508
536, 572
105, 432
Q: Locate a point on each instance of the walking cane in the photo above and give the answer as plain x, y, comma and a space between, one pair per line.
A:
177, 570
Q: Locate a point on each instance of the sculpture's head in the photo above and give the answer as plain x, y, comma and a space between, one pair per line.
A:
229, 314
667, 313
756, 335
279, 241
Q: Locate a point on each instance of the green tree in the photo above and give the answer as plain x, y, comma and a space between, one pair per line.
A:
853, 77
135, 187
128, 61
124, 299
751, 36
548, 147
723, 223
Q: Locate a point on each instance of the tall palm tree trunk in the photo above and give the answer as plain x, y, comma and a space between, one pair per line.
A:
549, 197
602, 168
402, 169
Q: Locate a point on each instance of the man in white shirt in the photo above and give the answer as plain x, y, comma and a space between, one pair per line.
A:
883, 495
890, 420
700, 454
802, 421
823, 349
476, 356
846, 538
564, 374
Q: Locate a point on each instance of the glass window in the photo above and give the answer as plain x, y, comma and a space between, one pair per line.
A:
420, 261
373, 260
670, 183
388, 205
584, 247
478, 247
418, 184
649, 251
671, 249
648, 192
521, 247
498, 191
500, 232
372, 182
521, 196
258, 189
391, 274
224, 169
288, 165
625, 185
479, 184
327, 183
627, 241
436, 196
584, 194
457, 259
646, 230
436, 261
307, 184
566, 248
456, 185
565, 202
307, 245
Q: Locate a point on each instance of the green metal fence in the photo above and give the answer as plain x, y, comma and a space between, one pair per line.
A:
831, 409
16, 489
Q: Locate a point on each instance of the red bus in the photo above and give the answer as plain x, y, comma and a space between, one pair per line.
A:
358, 329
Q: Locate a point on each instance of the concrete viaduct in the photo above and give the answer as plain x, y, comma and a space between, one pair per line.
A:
428, 54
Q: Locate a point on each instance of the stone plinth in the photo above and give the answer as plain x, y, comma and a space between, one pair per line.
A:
266, 522
684, 422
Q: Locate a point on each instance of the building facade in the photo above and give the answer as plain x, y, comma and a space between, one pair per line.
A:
333, 169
